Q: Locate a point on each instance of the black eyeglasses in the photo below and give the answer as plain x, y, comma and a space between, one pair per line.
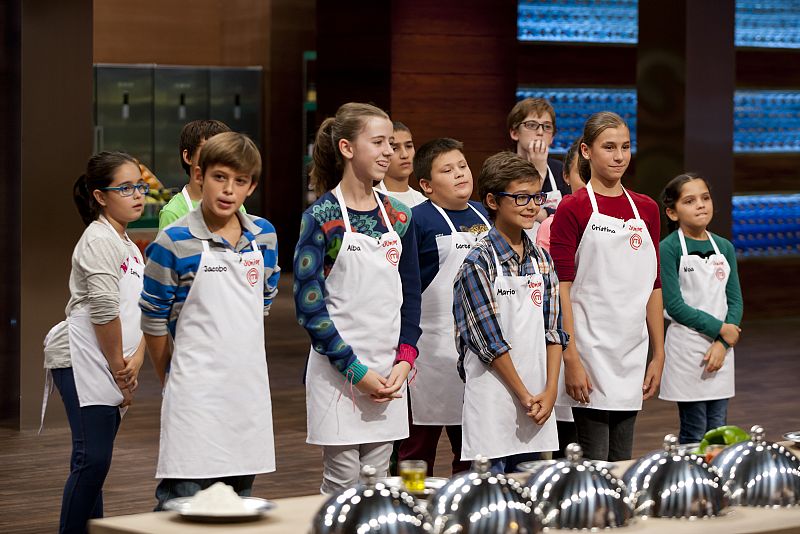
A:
535, 125
127, 190
523, 199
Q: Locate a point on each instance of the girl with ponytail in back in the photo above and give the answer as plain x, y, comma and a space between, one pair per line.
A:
357, 292
604, 242
94, 357
703, 299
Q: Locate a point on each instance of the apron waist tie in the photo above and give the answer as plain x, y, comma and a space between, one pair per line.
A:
348, 379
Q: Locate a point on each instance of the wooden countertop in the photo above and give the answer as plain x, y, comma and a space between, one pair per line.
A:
293, 516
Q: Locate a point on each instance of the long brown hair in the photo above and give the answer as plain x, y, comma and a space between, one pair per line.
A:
328, 164
594, 126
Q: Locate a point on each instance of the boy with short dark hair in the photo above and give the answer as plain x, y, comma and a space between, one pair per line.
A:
193, 135
508, 323
446, 226
532, 125
209, 281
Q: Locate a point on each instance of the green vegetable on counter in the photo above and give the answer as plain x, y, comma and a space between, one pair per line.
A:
724, 435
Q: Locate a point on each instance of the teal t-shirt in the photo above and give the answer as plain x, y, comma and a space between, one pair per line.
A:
177, 208
673, 300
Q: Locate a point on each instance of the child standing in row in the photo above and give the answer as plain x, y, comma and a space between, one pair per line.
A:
357, 293
604, 242
193, 135
508, 320
704, 301
401, 165
209, 282
532, 126
95, 355
447, 226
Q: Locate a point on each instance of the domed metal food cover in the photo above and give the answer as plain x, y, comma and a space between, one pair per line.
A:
483, 502
671, 483
759, 472
575, 494
371, 507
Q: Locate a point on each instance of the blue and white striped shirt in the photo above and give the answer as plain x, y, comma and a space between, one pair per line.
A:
174, 257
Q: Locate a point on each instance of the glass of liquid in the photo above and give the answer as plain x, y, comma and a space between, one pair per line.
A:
413, 473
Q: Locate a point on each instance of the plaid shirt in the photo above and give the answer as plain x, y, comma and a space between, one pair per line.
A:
474, 308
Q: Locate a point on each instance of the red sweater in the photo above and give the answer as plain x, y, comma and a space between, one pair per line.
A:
573, 215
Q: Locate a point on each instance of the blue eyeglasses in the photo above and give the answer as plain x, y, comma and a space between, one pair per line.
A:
523, 199
127, 190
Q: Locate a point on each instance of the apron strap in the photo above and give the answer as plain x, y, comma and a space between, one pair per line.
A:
382, 186
633, 206
593, 200
682, 239
445, 217
685, 251
499, 266
205, 245
337, 192
551, 179
186, 197
479, 214
713, 243
48, 389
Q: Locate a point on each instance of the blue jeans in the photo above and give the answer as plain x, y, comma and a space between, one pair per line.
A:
93, 431
171, 488
508, 464
699, 417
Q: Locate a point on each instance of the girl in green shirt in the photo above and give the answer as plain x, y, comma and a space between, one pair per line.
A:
703, 299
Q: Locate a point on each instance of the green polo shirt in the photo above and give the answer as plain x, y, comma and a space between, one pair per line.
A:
177, 208
673, 300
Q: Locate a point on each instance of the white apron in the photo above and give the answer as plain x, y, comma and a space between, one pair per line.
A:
94, 382
437, 392
702, 283
554, 196
532, 231
363, 295
615, 271
494, 422
216, 416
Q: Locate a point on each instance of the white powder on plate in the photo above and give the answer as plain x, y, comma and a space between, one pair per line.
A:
218, 499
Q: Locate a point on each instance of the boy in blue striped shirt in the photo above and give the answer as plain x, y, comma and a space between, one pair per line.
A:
209, 281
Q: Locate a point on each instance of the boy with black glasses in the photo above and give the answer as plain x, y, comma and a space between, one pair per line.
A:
508, 324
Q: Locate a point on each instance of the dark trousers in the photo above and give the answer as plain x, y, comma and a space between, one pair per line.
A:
510, 464
699, 417
93, 431
422, 442
605, 434
171, 488
567, 433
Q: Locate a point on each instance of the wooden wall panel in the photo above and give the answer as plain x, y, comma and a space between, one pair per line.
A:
57, 134
10, 142
158, 31
453, 72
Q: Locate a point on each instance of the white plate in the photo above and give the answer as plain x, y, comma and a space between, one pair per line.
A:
255, 509
793, 436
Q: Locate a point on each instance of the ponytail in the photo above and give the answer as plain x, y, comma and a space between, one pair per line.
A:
99, 173
326, 166
327, 163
